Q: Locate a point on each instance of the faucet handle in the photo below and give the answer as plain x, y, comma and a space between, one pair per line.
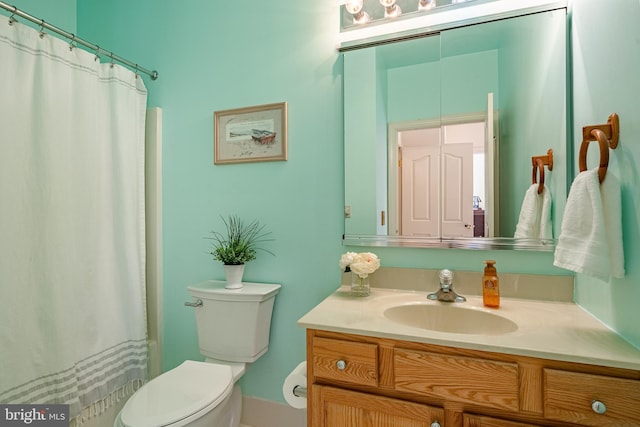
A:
446, 292
446, 277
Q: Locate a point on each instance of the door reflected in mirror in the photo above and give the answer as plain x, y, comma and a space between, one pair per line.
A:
435, 170
440, 130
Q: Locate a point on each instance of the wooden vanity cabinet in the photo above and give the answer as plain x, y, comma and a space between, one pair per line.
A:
358, 381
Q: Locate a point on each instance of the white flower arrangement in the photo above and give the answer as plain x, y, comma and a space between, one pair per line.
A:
363, 263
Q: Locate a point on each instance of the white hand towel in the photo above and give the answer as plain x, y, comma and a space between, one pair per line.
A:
590, 239
612, 202
534, 221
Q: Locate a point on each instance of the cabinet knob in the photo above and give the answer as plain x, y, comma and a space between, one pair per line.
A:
435, 424
598, 407
341, 364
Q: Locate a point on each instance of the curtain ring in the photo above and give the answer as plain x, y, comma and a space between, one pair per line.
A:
73, 39
97, 57
137, 75
12, 18
111, 56
42, 33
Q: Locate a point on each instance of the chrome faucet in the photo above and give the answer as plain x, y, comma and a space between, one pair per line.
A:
446, 292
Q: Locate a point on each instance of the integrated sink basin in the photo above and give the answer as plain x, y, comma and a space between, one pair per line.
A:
450, 318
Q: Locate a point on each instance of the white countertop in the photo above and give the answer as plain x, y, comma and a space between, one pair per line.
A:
549, 330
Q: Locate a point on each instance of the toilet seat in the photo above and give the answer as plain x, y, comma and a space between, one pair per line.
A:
178, 394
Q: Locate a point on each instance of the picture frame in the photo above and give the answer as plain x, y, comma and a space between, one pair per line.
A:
250, 134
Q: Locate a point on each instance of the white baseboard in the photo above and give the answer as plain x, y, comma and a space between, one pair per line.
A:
267, 413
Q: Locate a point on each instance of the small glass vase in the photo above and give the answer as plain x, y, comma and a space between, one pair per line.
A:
360, 286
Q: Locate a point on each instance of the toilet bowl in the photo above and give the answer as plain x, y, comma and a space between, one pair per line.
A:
233, 330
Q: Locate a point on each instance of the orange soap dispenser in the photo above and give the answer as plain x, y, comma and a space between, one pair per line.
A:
490, 285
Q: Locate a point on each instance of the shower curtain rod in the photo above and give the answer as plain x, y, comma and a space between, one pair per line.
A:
94, 47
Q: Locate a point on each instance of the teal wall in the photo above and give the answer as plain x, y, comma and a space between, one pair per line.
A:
218, 55
533, 91
466, 80
362, 88
606, 60
215, 56
413, 93
61, 13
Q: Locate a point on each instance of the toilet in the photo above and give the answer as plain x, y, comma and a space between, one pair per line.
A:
233, 330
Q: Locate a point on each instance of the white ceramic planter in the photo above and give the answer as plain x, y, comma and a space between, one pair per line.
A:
233, 274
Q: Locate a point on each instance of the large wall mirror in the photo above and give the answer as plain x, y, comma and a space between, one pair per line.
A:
440, 131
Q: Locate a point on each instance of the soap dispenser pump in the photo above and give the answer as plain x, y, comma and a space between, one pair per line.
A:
490, 286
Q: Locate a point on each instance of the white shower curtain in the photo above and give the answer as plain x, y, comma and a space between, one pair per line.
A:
72, 255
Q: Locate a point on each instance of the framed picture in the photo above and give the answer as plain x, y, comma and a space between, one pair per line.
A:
250, 134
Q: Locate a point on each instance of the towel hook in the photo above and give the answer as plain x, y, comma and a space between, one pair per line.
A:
607, 136
539, 163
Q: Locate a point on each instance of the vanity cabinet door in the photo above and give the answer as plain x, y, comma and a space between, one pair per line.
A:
591, 400
481, 421
334, 407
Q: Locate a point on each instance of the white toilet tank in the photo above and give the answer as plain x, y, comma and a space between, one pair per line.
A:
233, 324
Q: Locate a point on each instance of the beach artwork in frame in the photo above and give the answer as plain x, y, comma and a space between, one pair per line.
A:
250, 134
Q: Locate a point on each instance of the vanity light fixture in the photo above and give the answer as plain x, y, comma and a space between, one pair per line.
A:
391, 9
354, 7
420, 14
426, 4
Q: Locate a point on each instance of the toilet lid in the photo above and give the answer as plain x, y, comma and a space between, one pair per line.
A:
178, 394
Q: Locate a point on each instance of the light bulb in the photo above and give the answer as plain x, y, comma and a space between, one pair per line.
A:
391, 9
426, 4
361, 17
354, 6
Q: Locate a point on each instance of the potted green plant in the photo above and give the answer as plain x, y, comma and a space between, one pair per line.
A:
238, 246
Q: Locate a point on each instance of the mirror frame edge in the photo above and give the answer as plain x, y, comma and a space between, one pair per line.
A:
494, 243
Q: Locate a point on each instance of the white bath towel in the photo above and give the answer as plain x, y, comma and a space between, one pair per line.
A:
535, 215
590, 240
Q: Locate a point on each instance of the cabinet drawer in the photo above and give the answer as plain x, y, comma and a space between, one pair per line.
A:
345, 361
463, 379
482, 421
568, 396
